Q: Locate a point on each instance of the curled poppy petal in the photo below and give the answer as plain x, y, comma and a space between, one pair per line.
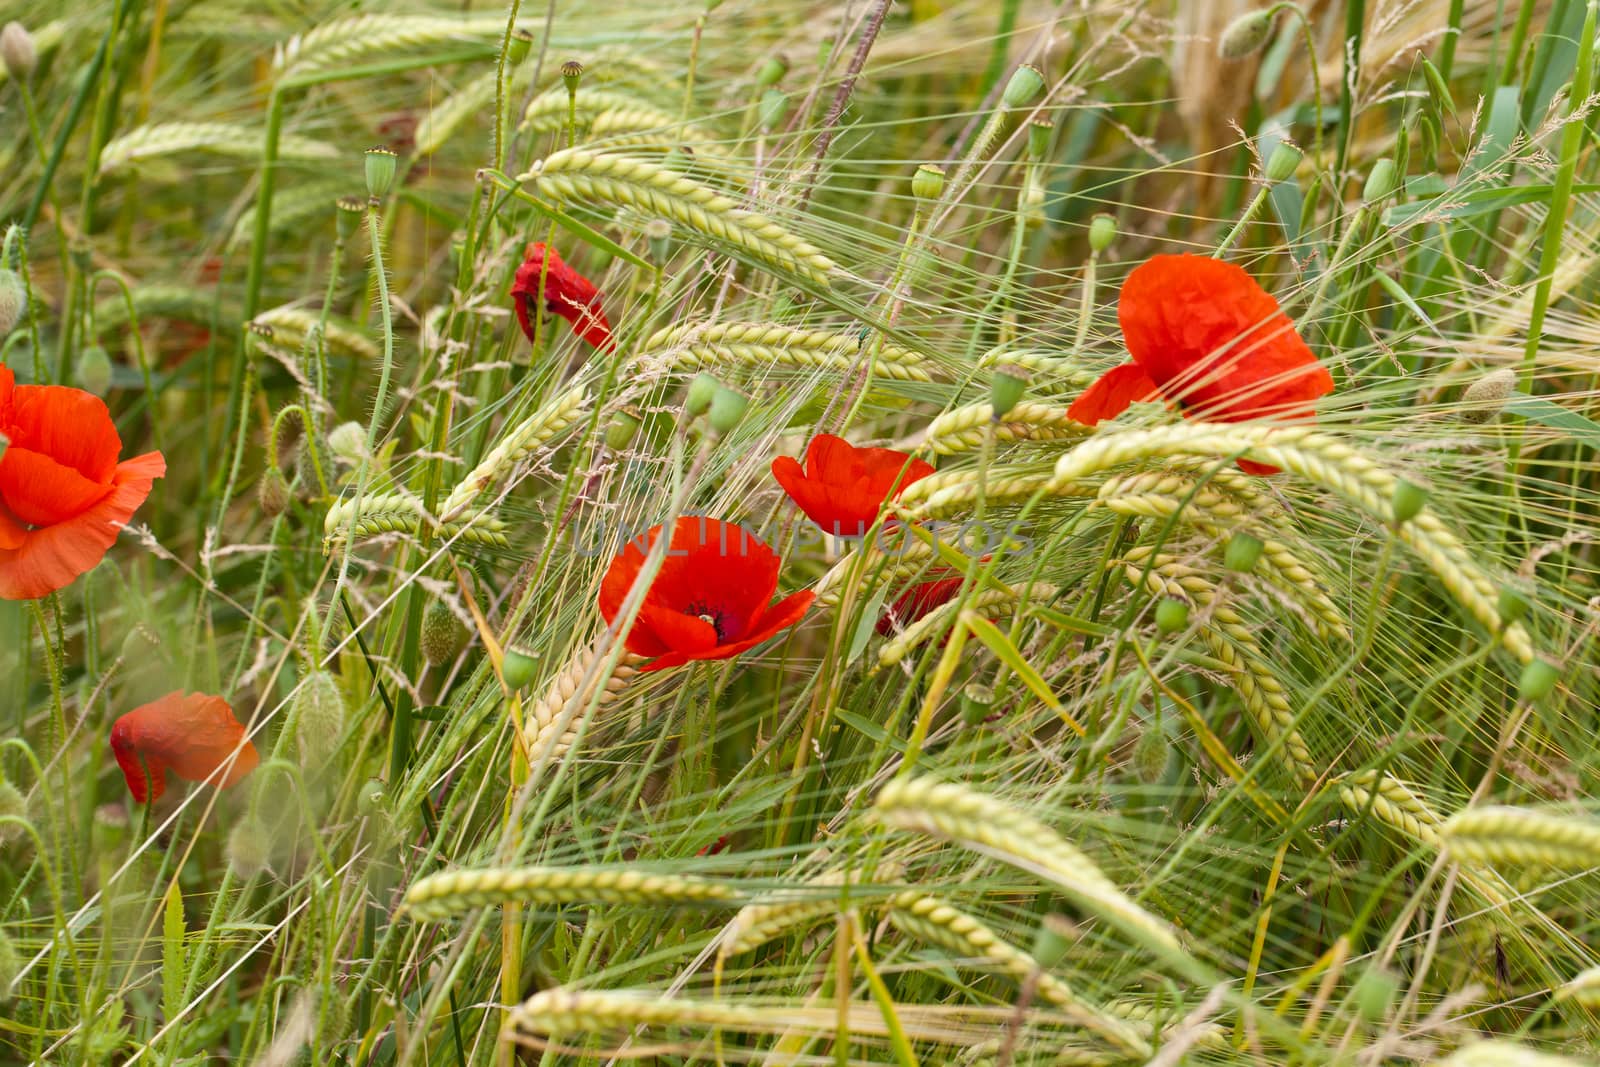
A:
916, 602
63, 495
842, 488
564, 292
194, 735
1111, 394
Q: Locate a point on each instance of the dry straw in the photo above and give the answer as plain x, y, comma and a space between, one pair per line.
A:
765, 345
1495, 835
579, 174
441, 895
514, 446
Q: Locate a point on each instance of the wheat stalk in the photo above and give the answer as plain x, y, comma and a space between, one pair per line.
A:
1583, 989
224, 138
767, 344
1503, 1054
1495, 834
550, 729
968, 428
774, 914
398, 513
296, 209
289, 326
958, 491
439, 896
937, 620
514, 446
339, 42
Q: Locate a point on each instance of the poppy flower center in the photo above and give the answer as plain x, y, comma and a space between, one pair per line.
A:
715, 616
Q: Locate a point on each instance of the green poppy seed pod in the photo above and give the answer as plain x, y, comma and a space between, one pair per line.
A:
1024, 88
1511, 605
518, 668
347, 217
659, 233
1485, 397
249, 848
1242, 553
1039, 132
348, 441
1246, 34
381, 164
622, 428
772, 71
18, 52
571, 74
10, 965
727, 408
697, 401
92, 371
1538, 680
1102, 231
272, 493
13, 299
1172, 615
1382, 180
1151, 755
370, 800
317, 712
774, 102
1006, 389
928, 182
1408, 501
977, 701
519, 46
1053, 941
1374, 993
1283, 161
443, 636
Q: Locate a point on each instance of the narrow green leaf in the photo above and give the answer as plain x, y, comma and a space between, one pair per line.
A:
1393, 288
1582, 429
1464, 205
173, 961
866, 624
1001, 646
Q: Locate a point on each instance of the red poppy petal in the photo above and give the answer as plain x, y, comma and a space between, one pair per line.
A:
679, 632
52, 557
820, 501
39, 491
780, 616
1250, 466
12, 532
1111, 393
196, 735
72, 427
144, 786
828, 454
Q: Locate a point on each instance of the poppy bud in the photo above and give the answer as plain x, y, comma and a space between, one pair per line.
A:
659, 233
1283, 162
1382, 180
1408, 501
272, 493
518, 668
1511, 605
370, 799
1102, 231
1246, 34
318, 716
624, 424
977, 700
571, 74
249, 847
1242, 553
1024, 88
348, 216
774, 102
18, 51
381, 163
697, 401
1053, 940
348, 442
727, 408
1039, 131
772, 71
93, 370
520, 45
13, 805
1172, 615
928, 182
1538, 680
1152, 754
1374, 994
10, 961
1006, 389
1486, 396
443, 636
13, 298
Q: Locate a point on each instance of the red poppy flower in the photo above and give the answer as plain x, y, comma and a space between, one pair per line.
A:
917, 602
63, 495
566, 293
192, 734
842, 488
1203, 334
712, 598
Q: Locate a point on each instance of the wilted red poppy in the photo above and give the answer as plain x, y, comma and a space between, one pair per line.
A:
842, 488
566, 293
63, 495
190, 734
916, 602
712, 598
1204, 335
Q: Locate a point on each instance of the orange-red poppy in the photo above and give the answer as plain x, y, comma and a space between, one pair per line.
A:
566, 293
842, 488
916, 602
712, 598
194, 735
63, 494
1203, 334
